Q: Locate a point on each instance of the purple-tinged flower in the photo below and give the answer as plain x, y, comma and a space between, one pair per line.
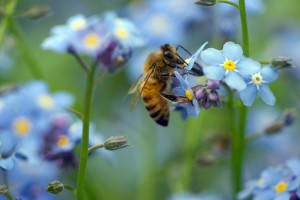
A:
190, 99
228, 65
258, 83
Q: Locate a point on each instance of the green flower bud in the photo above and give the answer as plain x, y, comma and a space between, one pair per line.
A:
281, 62
55, 187
117, 142
37, 12
3, 189
206, 3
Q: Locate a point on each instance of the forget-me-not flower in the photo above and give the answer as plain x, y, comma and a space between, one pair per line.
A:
258, 83
185, 90
228, 65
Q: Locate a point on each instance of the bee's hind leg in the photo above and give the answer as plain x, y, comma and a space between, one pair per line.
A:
172, 97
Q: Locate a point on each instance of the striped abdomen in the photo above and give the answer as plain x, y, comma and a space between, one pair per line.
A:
155, 104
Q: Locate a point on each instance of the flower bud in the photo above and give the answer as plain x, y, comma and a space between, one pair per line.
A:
55, 187
37, 12
3, 189
115, 143
289, 117
206, 2
281, 62
274, 127
200, 93
213, 96
212, 84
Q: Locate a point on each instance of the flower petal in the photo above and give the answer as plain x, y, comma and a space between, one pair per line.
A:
179, 91
232, 51
266, 94
248, 95
212, 57
195, 56
235, 81
248, 67
181, 80
283, 196
193, 110
269, 74
214, 73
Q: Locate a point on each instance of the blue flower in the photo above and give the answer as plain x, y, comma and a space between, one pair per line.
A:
278, 183
228, 65
123, 30
258, 83
185, 90
191, 61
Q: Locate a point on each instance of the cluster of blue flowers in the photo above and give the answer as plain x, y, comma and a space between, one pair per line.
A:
279, 183
37, 133
228, 66
108, 40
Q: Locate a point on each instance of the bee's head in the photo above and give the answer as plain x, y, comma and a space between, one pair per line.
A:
170, 55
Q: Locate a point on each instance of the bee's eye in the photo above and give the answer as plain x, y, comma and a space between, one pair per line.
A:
168, 55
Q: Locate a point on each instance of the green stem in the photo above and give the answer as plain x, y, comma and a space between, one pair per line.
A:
93, 148
238, 138
70, 188
85, 132
9, 11
5, 182
229, 2
27, 55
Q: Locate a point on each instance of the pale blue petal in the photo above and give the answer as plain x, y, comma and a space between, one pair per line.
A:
181, 80
63, 99
58, 43
265, 195
269, 74
195, 56
283, 196
294, 165
7, 164
193, 110
179, 91
212, 57
248, 95
232, 51
214, 73
266, 94
235, 81
248, 66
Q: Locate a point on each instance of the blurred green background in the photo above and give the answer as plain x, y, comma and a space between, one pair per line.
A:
162, 161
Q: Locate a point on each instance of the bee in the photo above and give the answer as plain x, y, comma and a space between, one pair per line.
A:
154, 83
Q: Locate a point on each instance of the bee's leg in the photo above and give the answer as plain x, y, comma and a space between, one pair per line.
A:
172, 97
171, 74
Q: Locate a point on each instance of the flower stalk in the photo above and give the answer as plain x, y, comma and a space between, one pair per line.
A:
85, 131
238, 141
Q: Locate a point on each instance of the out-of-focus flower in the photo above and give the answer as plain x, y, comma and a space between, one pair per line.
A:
281, 182
109, 41
258, 83
228, 65
189, 99
123, 30
192, 196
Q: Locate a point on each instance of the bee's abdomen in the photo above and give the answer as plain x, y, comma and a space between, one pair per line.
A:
156, 106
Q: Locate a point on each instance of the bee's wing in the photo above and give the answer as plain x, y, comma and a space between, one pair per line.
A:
137, 88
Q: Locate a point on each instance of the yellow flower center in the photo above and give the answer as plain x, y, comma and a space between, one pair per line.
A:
281, 187
62, 141
122, 33
78, 24
92, 40
22, 126
229, 65
189, 95
257, 79
46, 101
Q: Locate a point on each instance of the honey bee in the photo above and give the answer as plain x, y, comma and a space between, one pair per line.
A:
154, 84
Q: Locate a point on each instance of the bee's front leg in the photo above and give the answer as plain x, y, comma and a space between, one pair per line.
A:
172, 97
171, 74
